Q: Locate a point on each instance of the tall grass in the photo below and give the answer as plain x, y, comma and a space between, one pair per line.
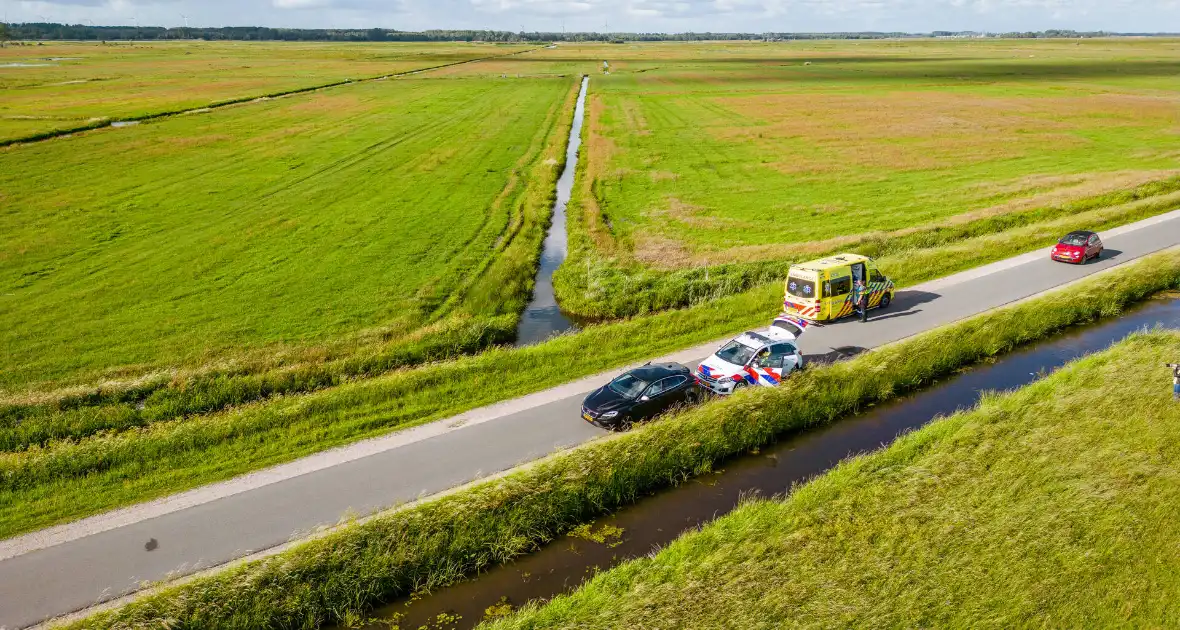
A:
124, 405
1051, 506
595, 286
344, 574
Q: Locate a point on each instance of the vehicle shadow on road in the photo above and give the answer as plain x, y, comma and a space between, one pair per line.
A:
903, 304
905, 300
1108, 254
836, 354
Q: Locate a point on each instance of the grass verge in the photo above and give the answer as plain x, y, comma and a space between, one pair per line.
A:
1051, 506
337, 578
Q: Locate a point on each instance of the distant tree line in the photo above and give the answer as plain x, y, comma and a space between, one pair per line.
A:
53, 31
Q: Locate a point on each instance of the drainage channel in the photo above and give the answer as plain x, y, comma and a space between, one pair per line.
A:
655, 521
542, 318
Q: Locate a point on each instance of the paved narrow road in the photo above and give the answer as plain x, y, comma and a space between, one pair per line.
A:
68, 568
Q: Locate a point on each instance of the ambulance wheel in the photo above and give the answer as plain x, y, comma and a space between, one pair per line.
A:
885, 301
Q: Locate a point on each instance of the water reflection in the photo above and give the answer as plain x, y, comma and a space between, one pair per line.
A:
542, 318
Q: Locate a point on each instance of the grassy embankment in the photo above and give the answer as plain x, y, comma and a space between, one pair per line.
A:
343, 224
1052, 506
337, 578
710, 168
63, 87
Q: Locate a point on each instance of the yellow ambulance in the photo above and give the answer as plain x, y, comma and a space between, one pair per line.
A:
821, 290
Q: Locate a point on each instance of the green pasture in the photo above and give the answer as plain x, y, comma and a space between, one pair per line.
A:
709, 168
66, 85
732, 153
349, 216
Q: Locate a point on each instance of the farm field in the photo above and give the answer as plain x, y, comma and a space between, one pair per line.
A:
65, 85
1048, 506
745, 156
161, 283
345, 218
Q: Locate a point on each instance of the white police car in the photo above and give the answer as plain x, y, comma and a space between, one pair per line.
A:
754, 358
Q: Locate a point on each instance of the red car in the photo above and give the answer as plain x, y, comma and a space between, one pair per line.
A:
1077, 247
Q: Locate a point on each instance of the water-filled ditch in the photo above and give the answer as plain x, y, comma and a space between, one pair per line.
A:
542, 317
657, 520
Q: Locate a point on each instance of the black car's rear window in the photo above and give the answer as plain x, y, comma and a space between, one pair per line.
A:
628, 386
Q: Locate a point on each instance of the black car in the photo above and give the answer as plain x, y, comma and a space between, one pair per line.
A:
639, 394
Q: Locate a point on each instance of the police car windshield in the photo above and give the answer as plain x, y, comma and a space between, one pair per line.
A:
628, 386
735, 353
801, 288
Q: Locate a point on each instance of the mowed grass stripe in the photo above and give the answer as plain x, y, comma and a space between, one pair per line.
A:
184, 240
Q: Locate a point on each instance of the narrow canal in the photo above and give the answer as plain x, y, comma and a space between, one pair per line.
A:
542, 318
653, 522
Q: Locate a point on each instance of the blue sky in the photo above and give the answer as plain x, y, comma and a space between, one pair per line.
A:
620, 15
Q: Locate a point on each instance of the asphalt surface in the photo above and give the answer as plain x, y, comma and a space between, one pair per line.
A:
81, 565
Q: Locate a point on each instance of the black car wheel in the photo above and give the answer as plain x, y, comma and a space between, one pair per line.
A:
624, 424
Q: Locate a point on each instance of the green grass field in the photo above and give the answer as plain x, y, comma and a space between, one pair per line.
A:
740, 155
1049, 507
348, 217
65, 85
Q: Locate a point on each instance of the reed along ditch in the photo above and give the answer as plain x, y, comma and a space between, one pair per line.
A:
645, 526
542, 318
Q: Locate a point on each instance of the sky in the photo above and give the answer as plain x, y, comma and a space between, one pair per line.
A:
619, 15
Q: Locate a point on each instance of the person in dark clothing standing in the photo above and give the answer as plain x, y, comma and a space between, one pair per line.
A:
1175, 381
860, 296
